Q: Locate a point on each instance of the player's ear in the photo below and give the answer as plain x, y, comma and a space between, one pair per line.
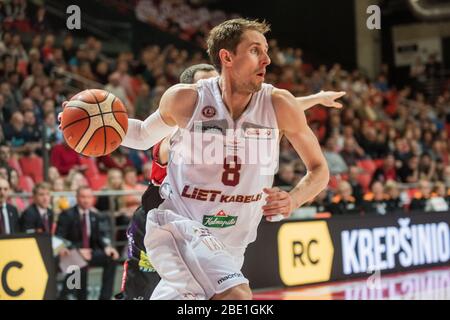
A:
225, 57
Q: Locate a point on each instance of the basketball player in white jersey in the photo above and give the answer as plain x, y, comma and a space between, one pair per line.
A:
135, 139
197, 238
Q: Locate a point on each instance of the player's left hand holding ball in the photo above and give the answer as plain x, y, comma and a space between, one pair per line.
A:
279, 204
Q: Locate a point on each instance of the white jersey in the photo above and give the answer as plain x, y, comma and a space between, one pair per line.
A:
218, 166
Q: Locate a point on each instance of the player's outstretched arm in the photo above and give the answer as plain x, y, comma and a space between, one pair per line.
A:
325, 98
176, 105
292, 123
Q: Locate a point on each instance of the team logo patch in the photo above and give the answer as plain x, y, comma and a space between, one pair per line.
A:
220, 220
209, 111
144, 263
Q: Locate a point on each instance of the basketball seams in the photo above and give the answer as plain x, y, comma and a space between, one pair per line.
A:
103, 121
112, 107
111, 121
92, 116
92, 135
114, 130
79, 104
81, 136
87, 135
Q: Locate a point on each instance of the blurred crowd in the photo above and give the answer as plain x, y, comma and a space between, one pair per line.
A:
186, 19
387, 148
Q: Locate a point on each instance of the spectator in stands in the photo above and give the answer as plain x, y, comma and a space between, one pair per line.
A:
125, 79
5, 113
387, 171
336, 163
18, 202
9, 217
395, 203
285, 176
114, 86
421, 197
427, 168
112, 204
15, 133
441, 200
4, 172
446, 176
116, 160
75, 179
53, 134
353, 178
68, 48
59, 202
409, 172
39, 216
101, 72
146, 173
53, 174
376, 201
371, 144
65, 158
80, 225
321, 203
5, 155
131, 183
352, 152
143, 101
344, 202
33, 131
39, 23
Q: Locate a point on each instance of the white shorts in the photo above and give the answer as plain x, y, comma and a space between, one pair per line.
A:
192, 263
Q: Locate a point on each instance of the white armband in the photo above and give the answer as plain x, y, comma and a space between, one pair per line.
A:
142, 135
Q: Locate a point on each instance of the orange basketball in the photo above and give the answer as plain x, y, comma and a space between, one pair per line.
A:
94, 122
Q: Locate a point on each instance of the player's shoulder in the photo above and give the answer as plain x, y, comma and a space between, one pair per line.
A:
180, 95
289, 116
178, 103
183, 90
282, 98
284, 102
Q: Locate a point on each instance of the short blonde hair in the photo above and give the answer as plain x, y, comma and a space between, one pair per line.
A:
227, 35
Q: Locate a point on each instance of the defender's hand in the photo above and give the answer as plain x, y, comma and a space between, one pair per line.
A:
327, 98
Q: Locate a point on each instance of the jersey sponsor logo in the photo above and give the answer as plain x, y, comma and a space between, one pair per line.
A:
216, 195
259, 133
211, 242
220, 220
209, 111
230, 276
306, 252
144, 263
208, 128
